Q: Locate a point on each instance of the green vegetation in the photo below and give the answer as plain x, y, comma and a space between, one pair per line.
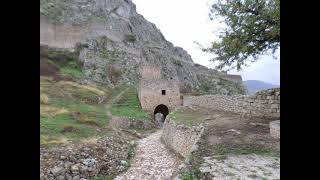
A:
177, 62
191, 175
128, 105
193, 172
224, 149
71, 68
69, 112
59, 63
187, 117
114, 74
253, 28
130, 38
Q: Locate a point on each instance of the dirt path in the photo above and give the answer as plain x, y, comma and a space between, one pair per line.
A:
110, 102
152, 160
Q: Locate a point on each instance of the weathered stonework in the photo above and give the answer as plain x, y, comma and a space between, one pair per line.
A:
275, 129
154, 91
60, 36
264, 103
182, 139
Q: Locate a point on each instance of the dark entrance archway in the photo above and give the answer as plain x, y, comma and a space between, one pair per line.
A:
160, 114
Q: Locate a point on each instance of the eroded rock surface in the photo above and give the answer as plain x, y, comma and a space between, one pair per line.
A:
110, 33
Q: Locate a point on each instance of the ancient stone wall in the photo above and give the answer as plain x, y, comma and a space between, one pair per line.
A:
151, 72
59, 36
264, 103
182, 139
150, 94
231, 77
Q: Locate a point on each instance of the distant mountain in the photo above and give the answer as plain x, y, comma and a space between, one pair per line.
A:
255, 85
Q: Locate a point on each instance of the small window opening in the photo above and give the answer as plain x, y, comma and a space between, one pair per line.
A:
163, 92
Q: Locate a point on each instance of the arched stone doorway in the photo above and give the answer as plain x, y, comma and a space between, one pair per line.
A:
160, 114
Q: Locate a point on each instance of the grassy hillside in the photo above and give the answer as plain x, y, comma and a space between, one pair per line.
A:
128, 104
71, 111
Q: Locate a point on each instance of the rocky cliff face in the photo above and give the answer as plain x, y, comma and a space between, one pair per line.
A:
110, 33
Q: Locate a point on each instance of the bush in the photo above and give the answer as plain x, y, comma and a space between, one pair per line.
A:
130, 38
177, 62
44, 98
114, 74
191, 175
48, 69
68, 128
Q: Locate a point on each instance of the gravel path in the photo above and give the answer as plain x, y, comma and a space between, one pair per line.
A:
152, 160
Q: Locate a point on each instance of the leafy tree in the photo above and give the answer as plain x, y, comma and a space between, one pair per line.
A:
253, 28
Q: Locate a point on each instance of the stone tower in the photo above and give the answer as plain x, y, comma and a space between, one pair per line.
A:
158, 95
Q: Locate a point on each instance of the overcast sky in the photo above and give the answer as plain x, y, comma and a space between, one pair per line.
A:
183, 22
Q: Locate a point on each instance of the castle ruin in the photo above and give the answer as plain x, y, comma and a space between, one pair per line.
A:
158, 95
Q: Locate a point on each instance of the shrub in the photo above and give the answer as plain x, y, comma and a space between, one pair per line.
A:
130, 38
177, 62
114, 74
48, 69
44, 98
68, 128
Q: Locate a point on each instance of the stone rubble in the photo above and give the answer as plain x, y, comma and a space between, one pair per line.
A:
152, 161
84, 161
242, 167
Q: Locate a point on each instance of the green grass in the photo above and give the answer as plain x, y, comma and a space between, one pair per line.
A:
186, 117
68, 115
72, 113
191, 175
128, 105
71, 68
243, 149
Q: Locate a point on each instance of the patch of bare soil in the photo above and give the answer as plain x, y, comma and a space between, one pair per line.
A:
235, 147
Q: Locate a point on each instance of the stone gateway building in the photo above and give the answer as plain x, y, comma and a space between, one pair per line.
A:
158, 95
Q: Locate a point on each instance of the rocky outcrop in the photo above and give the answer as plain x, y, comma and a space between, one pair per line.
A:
111, 33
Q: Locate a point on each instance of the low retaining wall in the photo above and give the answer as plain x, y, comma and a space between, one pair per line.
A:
183, 140
264, 103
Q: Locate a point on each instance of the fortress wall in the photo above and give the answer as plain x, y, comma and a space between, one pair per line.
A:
264, 103
59, 36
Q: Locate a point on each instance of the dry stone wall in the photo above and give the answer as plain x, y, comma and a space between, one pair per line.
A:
264, 103
182, 139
